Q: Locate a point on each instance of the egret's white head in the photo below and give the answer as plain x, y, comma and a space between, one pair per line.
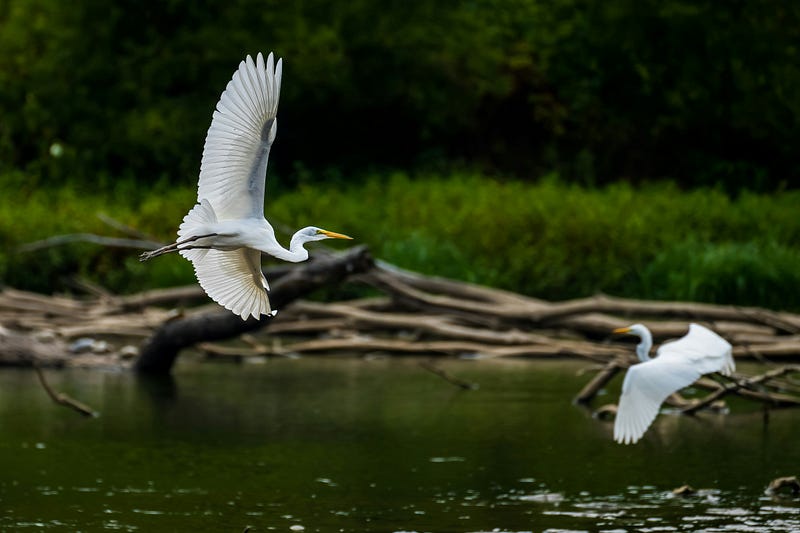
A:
636, 329
312, 233
643, 348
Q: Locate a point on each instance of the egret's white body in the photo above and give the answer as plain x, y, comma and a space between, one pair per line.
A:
678, 364
225, 233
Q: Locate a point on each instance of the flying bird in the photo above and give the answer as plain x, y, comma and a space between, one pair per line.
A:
678, 364
225, 233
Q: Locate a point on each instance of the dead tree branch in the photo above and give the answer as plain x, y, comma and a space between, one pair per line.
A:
62, 399
113, 242
590, 390
415, 315
748, 383
458, 382
160, 351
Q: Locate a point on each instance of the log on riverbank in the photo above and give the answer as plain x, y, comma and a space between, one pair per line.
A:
162, 347
412, 315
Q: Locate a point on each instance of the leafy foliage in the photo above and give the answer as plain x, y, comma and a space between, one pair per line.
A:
40, 213
698, 91
552, 239
748, 273
557, 240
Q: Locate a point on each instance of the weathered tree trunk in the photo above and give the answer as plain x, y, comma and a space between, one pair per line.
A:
418, 315
160, 351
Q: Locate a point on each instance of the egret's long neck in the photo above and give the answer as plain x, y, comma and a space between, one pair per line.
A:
296, 248
296, 253
643, 348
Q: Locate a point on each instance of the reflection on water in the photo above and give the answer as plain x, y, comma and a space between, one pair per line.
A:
380, 445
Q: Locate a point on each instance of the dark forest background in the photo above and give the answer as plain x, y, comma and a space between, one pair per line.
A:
556, 148
699, 92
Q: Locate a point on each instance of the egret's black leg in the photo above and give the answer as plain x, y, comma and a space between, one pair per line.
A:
174, 247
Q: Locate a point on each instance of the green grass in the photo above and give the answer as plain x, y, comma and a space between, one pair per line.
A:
548, 239
30, 213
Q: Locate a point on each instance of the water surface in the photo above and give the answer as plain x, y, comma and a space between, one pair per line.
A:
374, 445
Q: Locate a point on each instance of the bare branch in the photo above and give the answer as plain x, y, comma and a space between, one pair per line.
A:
458, 382
127, 230
114, 242
746, 384
62, 399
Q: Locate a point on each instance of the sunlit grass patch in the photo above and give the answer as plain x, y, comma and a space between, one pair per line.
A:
548, 239
557, 241
748, 273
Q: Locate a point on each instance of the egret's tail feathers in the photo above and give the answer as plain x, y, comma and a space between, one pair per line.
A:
195, 223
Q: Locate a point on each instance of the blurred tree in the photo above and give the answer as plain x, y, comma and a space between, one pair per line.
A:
698, 91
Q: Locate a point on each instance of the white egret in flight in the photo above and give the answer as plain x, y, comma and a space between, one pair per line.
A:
679, 364
224, 234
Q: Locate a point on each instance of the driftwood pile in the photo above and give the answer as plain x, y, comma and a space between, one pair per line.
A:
414, 315
410, 314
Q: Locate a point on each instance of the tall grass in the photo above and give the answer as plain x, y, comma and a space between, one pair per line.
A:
31, 213
549, 239
557, 241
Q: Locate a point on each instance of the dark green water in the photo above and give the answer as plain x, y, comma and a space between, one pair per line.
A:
381, 445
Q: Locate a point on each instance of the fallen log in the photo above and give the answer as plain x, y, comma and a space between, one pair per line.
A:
472, 349
19, 349
689, 310
458, 289
430, 323
159, 352
417, 310
600, 325
582, 314
417, 315
590, 390
173, 295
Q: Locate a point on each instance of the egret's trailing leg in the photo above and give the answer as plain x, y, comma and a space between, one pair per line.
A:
174, 247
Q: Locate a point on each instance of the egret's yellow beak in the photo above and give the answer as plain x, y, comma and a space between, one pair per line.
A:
333, 235
622, 330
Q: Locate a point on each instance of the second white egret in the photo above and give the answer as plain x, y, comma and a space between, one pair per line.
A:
678, 364
225, 233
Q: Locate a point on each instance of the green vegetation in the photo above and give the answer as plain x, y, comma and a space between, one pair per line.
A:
550, 239
106, 106
701, 92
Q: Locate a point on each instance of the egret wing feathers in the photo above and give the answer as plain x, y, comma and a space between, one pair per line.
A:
679, 364
645, 388
708, 351
234, 280
224, 234
195, 223
236, 151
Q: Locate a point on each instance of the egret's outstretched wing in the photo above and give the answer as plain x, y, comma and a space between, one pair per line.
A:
234, 165
679, 364
234, 280
707, 351
645, 388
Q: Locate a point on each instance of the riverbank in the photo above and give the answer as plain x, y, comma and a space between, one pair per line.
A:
546, 239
